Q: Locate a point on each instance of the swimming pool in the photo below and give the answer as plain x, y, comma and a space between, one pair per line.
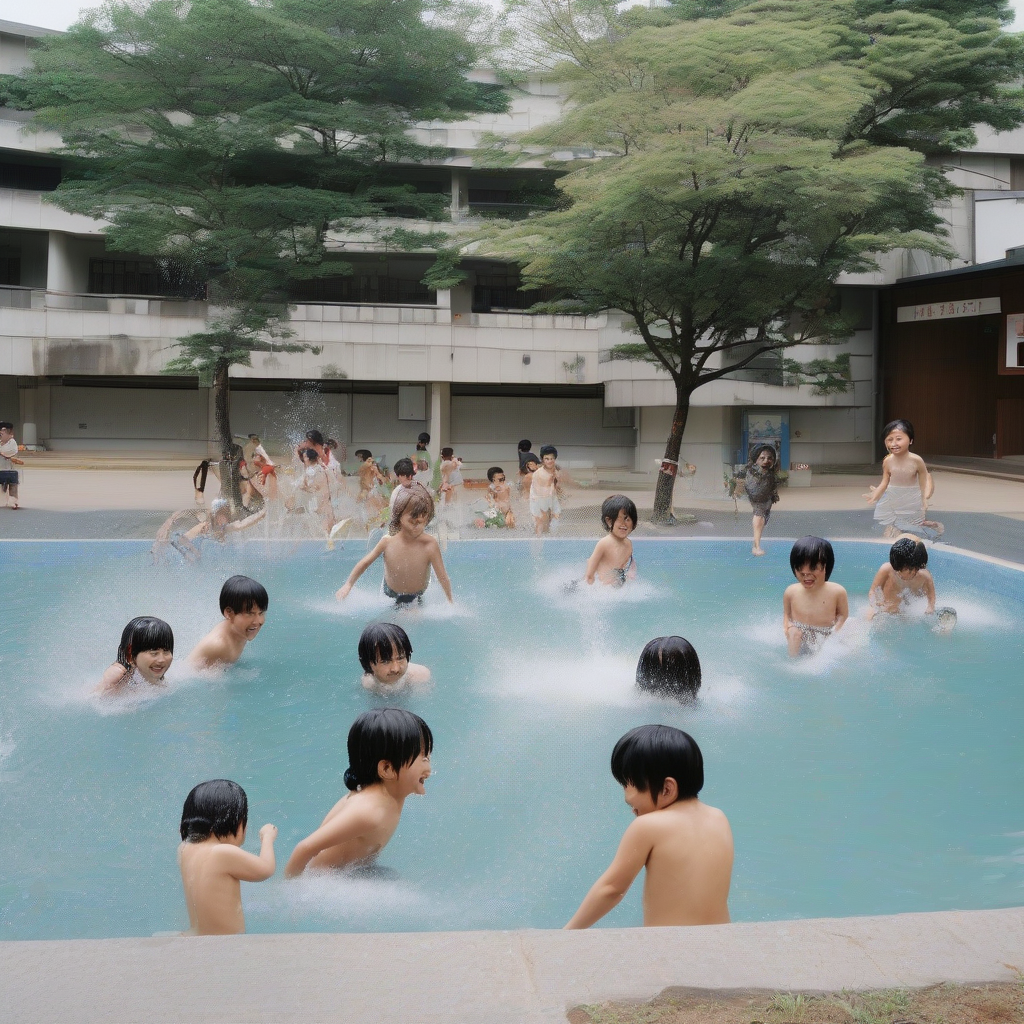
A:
883, 775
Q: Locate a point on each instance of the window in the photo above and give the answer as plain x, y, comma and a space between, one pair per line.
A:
10, 270
505, 291
142, 277
31, 177
365, 288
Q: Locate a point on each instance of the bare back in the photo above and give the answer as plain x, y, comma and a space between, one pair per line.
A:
212, 895
378, 818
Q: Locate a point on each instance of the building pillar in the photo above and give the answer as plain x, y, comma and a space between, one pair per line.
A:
440, 417
460, 192
29, 432
60, 271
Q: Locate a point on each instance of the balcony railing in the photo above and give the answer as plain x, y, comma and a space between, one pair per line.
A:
19, 297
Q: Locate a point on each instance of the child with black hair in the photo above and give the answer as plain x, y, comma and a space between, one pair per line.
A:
143, 657
389, 760
501, 496
903, 577
612, 559
211, 858
901, 499
685, 845
528, 463
669, 667
812, 608
761, 483
451, 475
243, 605
544, 506
384, 651
404, 473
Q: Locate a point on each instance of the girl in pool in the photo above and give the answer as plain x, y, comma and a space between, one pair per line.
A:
761, 483
143, 658
612, 561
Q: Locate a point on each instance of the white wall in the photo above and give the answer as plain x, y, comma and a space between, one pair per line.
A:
86, 415
999, 225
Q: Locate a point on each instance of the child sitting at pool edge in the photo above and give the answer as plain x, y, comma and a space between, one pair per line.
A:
612, 560
409, 553
243, 605
685, 845
389, 760
143, 657
212, 862
812, 608
384, 651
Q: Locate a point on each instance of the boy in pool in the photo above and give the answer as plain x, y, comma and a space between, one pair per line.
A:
212, 861
812, 608
904, 576
389, 760
612, 561
143, 658
243, 605
409, 552
501, 495
685, 845
384, 651
901, 499
544, 506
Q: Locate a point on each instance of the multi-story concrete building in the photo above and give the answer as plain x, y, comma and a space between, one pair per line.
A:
85, 332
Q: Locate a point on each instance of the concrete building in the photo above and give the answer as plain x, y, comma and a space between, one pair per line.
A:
85, 333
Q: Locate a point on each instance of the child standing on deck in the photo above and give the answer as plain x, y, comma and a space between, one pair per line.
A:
409, 552
761, 482
685, 845
451, 474
544, 506
901, 499
812, 608
8, 460
211, 859
389, 760
612, 561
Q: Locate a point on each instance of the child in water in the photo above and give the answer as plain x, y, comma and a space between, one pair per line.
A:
501, 495
143, 657
384, 651
685, 845
409, 553
761, 482
243, 605
212, 860
812, 608
901, 499
669, 667
389, 760
903, 577
612, 561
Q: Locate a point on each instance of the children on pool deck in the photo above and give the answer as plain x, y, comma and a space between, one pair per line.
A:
409, 552
8, 460
243, 605
451, 475
901, 499
812, 608
316, 482
211, 858
612, 561
501, 495
544, 506
384, 651
669, 667
761, 483
144, 655
389, 760
685, 845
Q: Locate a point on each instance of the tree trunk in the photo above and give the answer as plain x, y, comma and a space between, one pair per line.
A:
670, 464
229, 468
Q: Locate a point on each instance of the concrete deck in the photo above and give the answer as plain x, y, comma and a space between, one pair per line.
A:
523, 977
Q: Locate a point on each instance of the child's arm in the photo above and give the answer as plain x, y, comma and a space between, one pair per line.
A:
247, 867
926, 481
114, 677
873, 495
244, 524
842, 609
349, 823
595, 560
609, 889
787, 612
437, 563
361, 566
875, 591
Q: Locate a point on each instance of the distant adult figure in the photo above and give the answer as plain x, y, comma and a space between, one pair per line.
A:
669, 666
8, 460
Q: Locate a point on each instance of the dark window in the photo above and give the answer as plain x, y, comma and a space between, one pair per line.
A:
10, 270
33, 177
365, 288
505, 291
142, 277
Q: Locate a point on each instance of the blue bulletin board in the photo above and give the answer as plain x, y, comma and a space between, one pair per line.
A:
767, 428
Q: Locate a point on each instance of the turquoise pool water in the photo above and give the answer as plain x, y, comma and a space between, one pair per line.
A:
883, 775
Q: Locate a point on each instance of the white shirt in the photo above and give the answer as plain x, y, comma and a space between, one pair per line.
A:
7, 450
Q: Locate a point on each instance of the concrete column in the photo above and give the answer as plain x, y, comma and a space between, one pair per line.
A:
440, 417
29, 432
60, 270
460, 192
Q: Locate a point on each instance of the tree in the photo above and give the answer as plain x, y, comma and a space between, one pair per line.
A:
224, 139
748, 161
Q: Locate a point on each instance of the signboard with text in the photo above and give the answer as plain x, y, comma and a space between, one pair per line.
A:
947, 310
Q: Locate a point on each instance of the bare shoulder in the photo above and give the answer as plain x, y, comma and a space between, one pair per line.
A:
418, 674
112, 679
835, 589
793, 588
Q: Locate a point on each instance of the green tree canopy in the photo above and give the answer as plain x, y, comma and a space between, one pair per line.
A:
745, 162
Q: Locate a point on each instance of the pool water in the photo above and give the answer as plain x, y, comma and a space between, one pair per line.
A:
882, 775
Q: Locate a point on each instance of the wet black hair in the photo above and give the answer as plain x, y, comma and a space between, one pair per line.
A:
144, 633
525, 445
492, 472
404, 467
315, 436
648, 755
362, 454
908, 553
6, 423
905, 425
756, 454
385, 734
669, 665
447, 453
309, 454
423, 438
812, 551
218, 807
612, 506
548, 449
379, 642
530, 459
242, 594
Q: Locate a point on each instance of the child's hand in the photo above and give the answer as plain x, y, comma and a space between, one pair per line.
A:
344, 592
268, 833
869, 497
